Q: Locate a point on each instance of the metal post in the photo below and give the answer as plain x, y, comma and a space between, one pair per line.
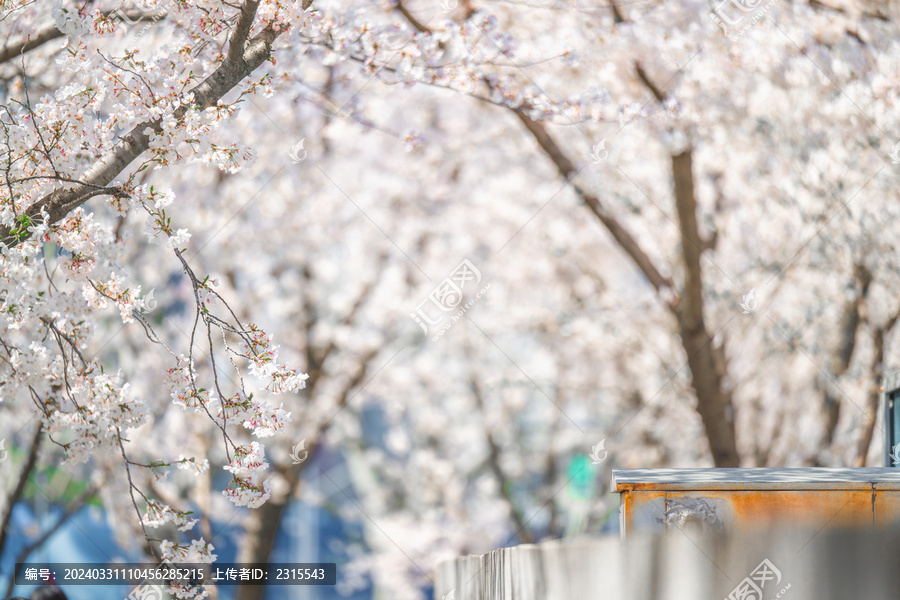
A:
890, 402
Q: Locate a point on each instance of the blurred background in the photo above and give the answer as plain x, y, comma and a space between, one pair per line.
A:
514, 245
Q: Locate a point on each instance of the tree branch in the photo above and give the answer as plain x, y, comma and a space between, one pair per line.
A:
617, 14
567, 170
706, 361
494, 463
207, 93
642, 75
20, 485
622, 236
411, 18
50, 32
25, 44
241, 33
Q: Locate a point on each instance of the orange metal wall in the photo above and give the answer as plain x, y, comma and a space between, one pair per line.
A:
642, 508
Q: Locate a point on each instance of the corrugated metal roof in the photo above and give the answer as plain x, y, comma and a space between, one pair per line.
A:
755, 479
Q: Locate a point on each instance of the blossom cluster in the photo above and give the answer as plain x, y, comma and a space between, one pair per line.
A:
95, 410
247, 466
263, 355
198, 551
82, 98
158, 514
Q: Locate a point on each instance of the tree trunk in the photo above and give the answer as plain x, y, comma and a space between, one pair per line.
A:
705, 359
839, 362
259, 538
876, 377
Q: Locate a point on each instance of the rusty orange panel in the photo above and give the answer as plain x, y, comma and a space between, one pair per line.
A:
638, 486
639, 511
655, 499
815, 508
887, 507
